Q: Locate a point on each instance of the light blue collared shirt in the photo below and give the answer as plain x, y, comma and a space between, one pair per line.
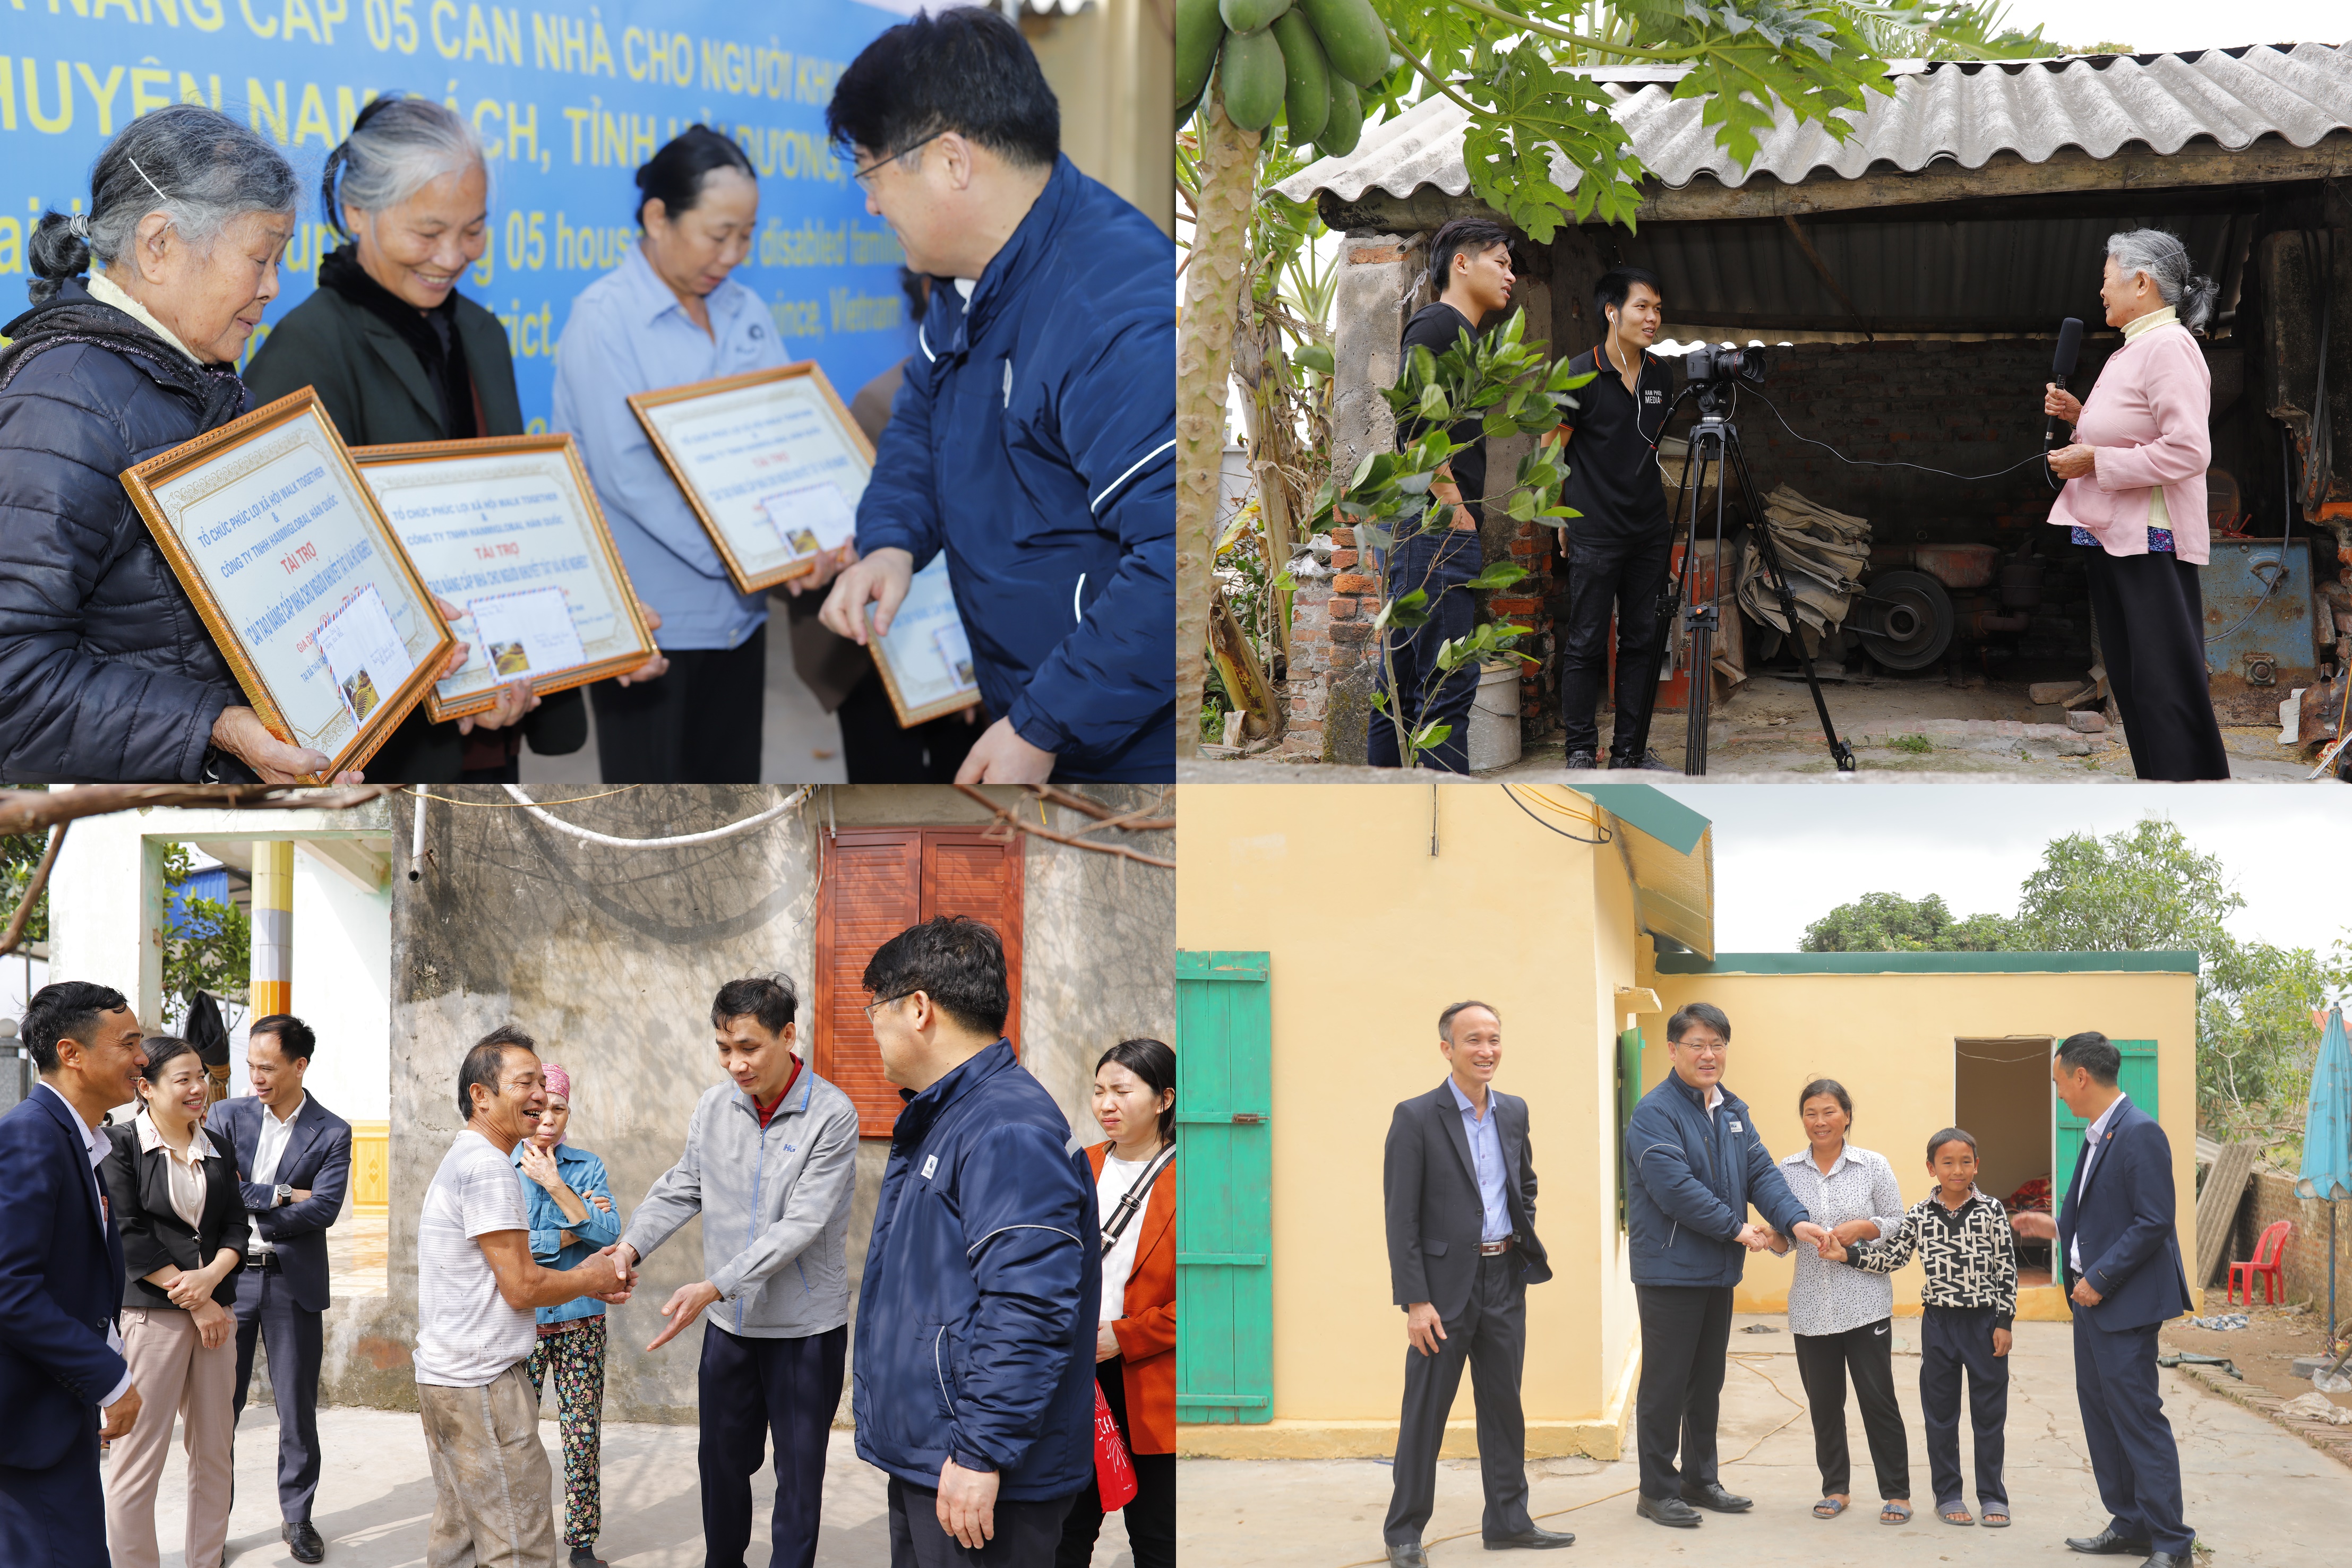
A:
1487, 1154
2094, 1138
628, 333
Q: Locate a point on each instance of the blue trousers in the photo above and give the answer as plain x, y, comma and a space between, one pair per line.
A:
752, 1389
267, 1312
56, 1518
2133, 1454
1954, 1341
1438, 564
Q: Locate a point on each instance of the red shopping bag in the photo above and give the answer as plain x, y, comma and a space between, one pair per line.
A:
1114, 1473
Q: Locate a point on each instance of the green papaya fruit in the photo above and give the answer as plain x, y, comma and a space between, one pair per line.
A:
1251, 15
1252, 79
1355, 40
1307, 80
1199, 31
1185, 112
1345, 125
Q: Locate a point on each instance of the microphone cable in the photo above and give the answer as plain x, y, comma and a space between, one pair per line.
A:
1865, 462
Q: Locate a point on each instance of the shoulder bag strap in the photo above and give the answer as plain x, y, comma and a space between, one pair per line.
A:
1137, 1194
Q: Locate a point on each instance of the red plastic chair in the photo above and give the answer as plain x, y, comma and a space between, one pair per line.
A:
2265, 1265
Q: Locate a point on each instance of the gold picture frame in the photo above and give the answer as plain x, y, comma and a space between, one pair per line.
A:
254, 459
486, 466
722, 498
918, 673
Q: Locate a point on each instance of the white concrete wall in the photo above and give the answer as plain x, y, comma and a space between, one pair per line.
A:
343, 990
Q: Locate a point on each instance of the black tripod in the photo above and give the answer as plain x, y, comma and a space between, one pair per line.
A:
1715, 440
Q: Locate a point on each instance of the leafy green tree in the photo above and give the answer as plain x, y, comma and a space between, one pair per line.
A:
2142, 890
1890, 923
1514, 389
19, 854
209, 947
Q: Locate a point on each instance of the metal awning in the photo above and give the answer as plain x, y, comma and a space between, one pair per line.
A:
1668, 853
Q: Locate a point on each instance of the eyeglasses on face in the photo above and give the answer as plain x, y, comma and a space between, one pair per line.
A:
883, 1003
861, 175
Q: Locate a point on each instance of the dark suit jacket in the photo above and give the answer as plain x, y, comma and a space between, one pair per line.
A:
153, 1234
61, 1278
318, 1159
1434, 1214
2131, 1254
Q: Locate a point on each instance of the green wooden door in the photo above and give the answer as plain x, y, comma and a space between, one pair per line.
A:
2135, 1077
1629, 1094
1224, 1219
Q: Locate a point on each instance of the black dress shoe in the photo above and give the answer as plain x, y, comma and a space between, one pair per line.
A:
2166, 1560
586, 1557
2107, 1543
1670, 1510
303, 1541
1407, 1554
1712, 1495
1533, 1538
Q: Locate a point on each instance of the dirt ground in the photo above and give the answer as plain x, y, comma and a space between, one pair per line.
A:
2266, 1349
1767, 726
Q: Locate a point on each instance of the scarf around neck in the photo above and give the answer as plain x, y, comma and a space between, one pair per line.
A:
445, 369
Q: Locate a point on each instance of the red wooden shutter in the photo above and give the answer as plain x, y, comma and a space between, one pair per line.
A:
878, 881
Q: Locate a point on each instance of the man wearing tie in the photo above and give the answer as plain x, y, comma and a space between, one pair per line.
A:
295, 1159
1460, 1183
2123, 1273
64, 1384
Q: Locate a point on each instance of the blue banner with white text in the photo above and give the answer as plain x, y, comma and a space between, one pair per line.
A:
568, 97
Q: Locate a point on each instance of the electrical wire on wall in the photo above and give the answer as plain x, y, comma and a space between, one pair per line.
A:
678, 841
1513, 793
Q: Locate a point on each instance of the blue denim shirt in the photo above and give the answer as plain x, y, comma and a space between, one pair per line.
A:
1487, 1154
627, 333
583, 1173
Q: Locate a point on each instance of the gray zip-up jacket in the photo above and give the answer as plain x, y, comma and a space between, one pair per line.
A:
774, 1206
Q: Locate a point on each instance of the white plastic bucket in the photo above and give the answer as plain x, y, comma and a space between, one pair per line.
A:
1494, 716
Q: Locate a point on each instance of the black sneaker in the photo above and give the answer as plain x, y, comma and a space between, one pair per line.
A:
1648, 760
1581, 760
586, 1557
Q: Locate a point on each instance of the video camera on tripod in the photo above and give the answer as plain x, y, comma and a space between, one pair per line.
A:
1722, 363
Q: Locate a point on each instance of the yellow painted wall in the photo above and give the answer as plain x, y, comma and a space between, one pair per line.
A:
371, 1167
1889, 1038
1371, 936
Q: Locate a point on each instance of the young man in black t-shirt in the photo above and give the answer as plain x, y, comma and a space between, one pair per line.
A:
1470, 259
1618, 550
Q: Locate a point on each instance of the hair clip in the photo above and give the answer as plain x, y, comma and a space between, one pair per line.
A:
142, 175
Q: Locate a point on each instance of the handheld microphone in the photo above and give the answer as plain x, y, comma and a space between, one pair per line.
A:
2061, 366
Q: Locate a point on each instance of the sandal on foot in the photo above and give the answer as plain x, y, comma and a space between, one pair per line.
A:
1830, 1507
1958, 1514
1994, 1520
1895, 1510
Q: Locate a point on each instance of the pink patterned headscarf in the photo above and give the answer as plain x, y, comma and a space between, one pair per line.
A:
559, 1081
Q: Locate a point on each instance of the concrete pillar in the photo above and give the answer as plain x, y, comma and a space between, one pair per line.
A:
273, 927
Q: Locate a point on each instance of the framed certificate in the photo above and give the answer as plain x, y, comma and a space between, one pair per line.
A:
770, 461
319, 610
926, 659
508, 529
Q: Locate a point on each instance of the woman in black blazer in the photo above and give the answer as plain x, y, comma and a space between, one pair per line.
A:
173, 1189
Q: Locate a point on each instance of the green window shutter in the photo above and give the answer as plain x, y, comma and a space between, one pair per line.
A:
1224, 1222
2135, 1077
1629, 1094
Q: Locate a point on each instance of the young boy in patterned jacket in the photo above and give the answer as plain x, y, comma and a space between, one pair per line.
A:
1965, 1244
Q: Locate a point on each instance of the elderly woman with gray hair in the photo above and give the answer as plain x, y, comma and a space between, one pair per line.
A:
396, 354
106, 672
2135, 503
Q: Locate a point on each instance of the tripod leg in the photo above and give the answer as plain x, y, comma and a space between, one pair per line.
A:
1670, 603
1840, 752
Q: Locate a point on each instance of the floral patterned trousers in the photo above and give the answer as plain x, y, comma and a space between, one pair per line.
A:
576, 1351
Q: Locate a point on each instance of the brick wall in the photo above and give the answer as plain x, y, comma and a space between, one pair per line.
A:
2271, 1197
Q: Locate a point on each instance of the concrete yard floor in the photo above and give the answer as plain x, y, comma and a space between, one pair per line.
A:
2256, 1495
1767, 726
375, 1498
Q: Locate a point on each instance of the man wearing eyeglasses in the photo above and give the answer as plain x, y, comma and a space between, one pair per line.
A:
1693, 1162
1032, 441
771, 1164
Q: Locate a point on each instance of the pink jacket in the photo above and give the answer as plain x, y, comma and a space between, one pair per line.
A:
2146, 419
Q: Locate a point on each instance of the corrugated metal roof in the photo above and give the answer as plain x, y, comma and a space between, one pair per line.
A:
1943, 110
